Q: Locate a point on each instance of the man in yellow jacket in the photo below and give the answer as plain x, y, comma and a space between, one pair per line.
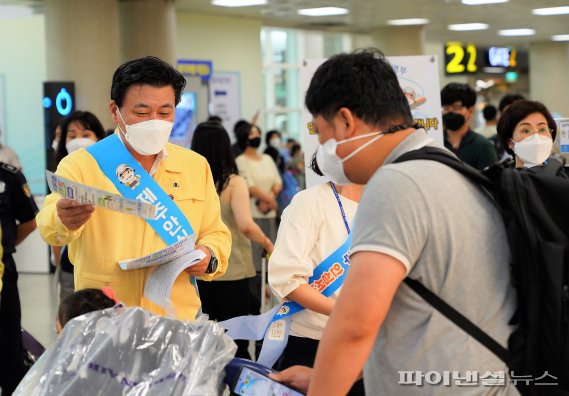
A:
144, 94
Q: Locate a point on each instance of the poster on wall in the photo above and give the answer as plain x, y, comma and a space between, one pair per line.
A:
225, 97
563, 133
419, 79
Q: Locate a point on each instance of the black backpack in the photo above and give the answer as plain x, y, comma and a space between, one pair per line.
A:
534, 204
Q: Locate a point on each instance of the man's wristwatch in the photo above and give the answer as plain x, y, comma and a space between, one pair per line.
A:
212, 266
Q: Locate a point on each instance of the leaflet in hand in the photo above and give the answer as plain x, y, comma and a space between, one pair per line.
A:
89, 195
159, 284
162, 256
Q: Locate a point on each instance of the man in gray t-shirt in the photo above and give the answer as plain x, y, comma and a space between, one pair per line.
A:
419, 219
449, 236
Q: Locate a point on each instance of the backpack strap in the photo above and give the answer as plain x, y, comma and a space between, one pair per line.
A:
445, 157
458, 319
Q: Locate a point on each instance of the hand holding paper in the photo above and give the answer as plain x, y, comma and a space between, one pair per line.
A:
73, 214
90, 196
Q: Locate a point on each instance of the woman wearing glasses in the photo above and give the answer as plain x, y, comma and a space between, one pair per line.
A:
527, 131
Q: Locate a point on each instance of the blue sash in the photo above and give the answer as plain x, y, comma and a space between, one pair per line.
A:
274, 326
132, 181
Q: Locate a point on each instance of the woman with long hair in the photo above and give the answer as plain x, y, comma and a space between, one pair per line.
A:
79, 130
228, 296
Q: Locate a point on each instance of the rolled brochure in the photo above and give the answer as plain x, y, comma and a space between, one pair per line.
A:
169, 253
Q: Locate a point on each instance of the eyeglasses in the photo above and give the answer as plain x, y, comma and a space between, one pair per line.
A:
542, 131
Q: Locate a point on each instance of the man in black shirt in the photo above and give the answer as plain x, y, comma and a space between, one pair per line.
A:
17, 215
458, 106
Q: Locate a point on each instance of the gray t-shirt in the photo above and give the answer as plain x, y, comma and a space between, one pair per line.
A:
450, 237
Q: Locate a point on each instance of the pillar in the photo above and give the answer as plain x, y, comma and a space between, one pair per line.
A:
548, 78
148, 27
400, 40
82, 46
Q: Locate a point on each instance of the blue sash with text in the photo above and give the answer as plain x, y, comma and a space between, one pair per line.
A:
132, 181
274, 325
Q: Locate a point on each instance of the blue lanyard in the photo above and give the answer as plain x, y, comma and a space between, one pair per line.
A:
341, 207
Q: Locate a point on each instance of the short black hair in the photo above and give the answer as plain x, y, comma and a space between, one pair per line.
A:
489, 112
149, 70
507, 100
87, 120
212, 141
270, 135
516, 113
242, 135
365, 83
82, 302
314, 165
215, 118
294, 149
239, 124
458, 92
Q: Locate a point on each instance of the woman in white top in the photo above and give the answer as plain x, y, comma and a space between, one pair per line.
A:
228, 296
313, 226
262, 177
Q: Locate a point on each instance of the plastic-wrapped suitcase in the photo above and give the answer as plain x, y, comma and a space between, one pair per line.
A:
33, 349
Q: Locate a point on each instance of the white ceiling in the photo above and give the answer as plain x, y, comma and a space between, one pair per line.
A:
365, 15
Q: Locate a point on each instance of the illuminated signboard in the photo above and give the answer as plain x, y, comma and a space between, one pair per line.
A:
200, 68
460, 59
502, 57
466, 58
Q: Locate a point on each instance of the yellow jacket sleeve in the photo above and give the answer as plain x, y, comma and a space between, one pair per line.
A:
52, 230
214, 234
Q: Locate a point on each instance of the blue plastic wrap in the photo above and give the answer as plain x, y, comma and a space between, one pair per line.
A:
130, 351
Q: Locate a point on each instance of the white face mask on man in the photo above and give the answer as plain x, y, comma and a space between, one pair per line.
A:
331, 165
533, 150
147, 137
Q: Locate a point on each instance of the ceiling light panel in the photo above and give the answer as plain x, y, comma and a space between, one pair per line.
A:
323, 11
516, 32
238, 3
408, 22
482, 2
551, 11
461, 27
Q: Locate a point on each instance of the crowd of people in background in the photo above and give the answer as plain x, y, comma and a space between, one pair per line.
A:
265, 209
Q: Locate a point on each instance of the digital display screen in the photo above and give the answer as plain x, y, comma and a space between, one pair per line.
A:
184, 121
252, 383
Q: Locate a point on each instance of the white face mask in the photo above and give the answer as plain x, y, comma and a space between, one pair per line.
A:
54, 145
533, 150
147, 137
331, 165
78, 143
275, 142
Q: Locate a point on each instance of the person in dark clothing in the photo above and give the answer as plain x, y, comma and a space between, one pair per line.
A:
273, 141
458, 106
17, 215
507, 101
235, 148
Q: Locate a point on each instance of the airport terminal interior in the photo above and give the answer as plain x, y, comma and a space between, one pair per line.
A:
253, 60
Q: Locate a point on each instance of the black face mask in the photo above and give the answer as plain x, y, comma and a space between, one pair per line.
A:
453, 121
255, 142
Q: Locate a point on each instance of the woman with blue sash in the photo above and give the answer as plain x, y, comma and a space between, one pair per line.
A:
315, 224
